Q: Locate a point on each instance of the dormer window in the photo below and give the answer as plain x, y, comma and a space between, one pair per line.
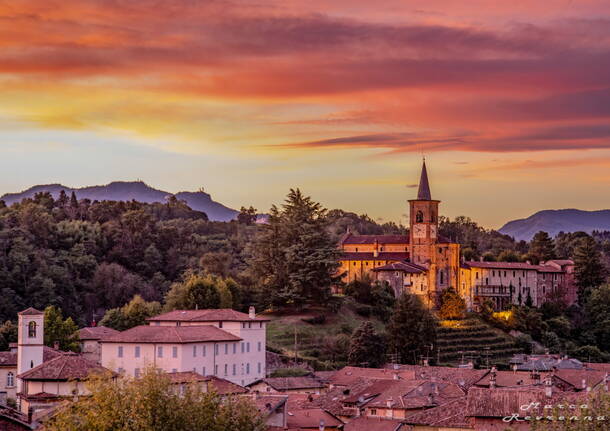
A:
32, 330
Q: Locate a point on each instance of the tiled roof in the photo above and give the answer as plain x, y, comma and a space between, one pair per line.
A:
502, 402
509, 378
225, 314
598, 366
269, 403
310, 419
372, 424
381, 239
448, 415
287, 383
561, 261
501, 265
349, 375
186, 377
463, 377
95, 332
69, 366
224, 387
30, 312
8, 359
402, 266
171, 334
575, 378
384, 255
10, 415
415, 394
49, 353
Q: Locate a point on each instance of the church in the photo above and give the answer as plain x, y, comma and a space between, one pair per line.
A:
425, 263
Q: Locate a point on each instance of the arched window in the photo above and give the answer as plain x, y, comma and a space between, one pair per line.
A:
32, 329
10, 380
419, 217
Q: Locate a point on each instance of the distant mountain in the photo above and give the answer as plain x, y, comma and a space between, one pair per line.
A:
555, 221
131, 190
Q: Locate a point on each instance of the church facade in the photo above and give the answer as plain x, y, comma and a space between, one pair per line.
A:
425, 263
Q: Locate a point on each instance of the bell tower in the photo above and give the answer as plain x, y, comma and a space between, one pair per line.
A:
30, 341
423, 222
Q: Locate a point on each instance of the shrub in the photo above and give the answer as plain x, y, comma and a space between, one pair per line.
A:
315, 320
363, 310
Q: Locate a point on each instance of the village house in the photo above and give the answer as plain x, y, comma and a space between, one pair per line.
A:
90, 341
288, 385
224, 343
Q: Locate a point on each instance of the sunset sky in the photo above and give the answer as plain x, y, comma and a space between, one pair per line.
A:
509, 101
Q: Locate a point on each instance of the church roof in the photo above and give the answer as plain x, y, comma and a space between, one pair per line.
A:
370, 239
384, 255
423, 193
402, 266
30, 312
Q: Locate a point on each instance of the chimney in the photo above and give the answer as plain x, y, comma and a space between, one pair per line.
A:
252, 312
606, 381
514, 368
529, 262
480, 258
548, 387
389, 403
425, 362
583, 384
322, 426
396, 376
56, 345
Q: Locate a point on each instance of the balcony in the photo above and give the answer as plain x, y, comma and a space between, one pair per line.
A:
489, 290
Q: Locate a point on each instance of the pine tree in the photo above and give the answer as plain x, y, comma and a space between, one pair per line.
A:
411, 330
542, 247
589, 270
293, 256
366, 347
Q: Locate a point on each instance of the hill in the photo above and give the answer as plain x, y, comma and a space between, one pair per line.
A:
131, 190
555, 221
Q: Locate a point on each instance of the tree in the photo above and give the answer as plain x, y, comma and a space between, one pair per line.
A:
8, 334
132, 314
58, 330
366, 346
598, 315
200, 291
293, 256
412, 328
453, 305
246, 215
542, 247
153, 403
589, 270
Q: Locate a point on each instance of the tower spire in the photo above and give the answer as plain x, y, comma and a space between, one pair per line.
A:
423, 193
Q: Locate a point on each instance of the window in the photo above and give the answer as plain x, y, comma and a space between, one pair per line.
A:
120, 351
249, 325
477, 275
174, 352
178, 323
226, 369
10, 380
160, 351
120, 370
220, 324
136, 352
504, 273
32, 330
513, 273
226, 348
259, 368
260, 346
203, 350
493, 273
234, 369
136, 373
216, 349
203, 371
419, 217
373, 412
194, 351
243, 325
248, 347
242, 347
174, 370
215, 370
248, 368
234, 348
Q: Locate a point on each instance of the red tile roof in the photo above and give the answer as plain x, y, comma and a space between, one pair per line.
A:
8, 359
372, 424
186, 377
49, 353
501, 265
224, 387
213, 315
69, 366
462, 377
409, 267
598, 366
509, 378
269, 403
349, 375
171, 334
448, 415
575, 378
287, 383
384, 255
30, 312
95, 332
310, 419
381, 239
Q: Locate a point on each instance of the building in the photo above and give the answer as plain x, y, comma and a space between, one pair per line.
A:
288, 385
425, 263
90, 341
224, 343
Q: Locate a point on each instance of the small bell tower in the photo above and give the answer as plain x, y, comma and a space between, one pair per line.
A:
423, 222
30, 341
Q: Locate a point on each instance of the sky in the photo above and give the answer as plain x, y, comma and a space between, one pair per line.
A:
508, 101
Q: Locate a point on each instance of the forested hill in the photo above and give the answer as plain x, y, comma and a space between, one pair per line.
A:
128, 191
555, 221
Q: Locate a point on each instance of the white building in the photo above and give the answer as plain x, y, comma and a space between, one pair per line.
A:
224, 343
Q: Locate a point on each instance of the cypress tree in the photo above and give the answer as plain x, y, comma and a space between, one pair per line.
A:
589, 270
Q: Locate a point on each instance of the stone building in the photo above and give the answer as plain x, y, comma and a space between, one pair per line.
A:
425, 263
